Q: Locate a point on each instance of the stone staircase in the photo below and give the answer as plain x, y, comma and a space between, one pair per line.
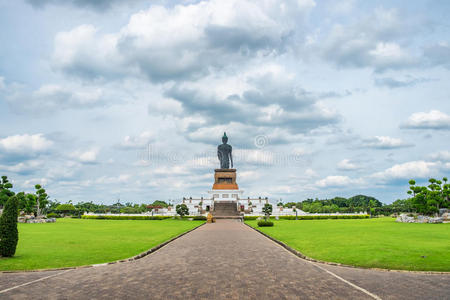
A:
225, 210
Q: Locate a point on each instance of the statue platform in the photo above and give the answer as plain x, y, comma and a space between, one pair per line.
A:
225, 179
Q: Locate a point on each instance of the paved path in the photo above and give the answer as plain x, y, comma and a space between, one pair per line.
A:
225, 260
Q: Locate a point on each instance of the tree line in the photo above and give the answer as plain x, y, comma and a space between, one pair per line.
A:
427, 200
353, 204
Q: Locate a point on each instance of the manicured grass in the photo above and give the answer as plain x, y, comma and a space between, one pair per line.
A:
76, 242
371, 243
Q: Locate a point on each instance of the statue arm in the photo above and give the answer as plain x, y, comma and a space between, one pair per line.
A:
231, 157
219, 157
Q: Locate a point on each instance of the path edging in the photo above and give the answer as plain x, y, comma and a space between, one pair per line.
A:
136, 257
302, 256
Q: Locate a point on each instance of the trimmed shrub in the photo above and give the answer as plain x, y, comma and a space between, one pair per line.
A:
9, 235
66, 208
263, 223
250, 218
126, 217
53, 215
199, 218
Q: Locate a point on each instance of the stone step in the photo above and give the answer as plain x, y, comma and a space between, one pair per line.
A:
225, 210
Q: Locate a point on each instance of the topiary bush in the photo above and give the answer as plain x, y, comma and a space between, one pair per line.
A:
264, 223
199, 218
66, 208
9, 235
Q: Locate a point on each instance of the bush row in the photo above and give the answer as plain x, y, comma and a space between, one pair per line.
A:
126, 217
53, 215
196, 218
249, 218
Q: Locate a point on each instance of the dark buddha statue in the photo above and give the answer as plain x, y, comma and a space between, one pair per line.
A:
224, 153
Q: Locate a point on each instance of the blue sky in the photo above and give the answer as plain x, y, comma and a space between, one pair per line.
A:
101, 100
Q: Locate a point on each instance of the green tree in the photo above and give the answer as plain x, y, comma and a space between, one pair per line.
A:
9, 236
316, 207
267, 210
27, 202
429, 199
160, 203
66, 208
5, 190
41, 199
128, 210
182, 210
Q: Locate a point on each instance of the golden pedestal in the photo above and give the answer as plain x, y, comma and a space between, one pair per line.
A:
225, 179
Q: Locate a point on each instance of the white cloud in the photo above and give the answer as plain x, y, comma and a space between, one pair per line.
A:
136, 142
30, 183
2, 83
82, 52
386, 142
347, 165
390, 55
25, 144
372, 42
26, 167
54, 97
393, 83
184, 41
408, 170
88, 157
341, 7
434, 119
441, 156
438, 54
337, 181
123, 178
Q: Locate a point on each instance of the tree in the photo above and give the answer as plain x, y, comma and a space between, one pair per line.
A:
27, 202
182, 210
66, 208
160, 203
9, 236
41, 199
5, 192
128, 210
429, 199
267, 210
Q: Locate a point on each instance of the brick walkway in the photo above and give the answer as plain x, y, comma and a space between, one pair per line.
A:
225, 260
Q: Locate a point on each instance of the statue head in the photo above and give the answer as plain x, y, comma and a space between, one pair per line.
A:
224, 138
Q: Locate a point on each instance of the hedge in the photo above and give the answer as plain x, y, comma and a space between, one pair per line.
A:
9, 236
263, 223
126, 217
311, 217
53, 215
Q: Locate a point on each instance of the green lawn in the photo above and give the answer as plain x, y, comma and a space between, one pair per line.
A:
372, 243
76, 242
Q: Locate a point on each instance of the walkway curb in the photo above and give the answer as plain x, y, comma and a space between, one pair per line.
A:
302, 256
136, 257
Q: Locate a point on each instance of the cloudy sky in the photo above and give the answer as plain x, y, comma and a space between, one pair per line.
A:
101, 100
